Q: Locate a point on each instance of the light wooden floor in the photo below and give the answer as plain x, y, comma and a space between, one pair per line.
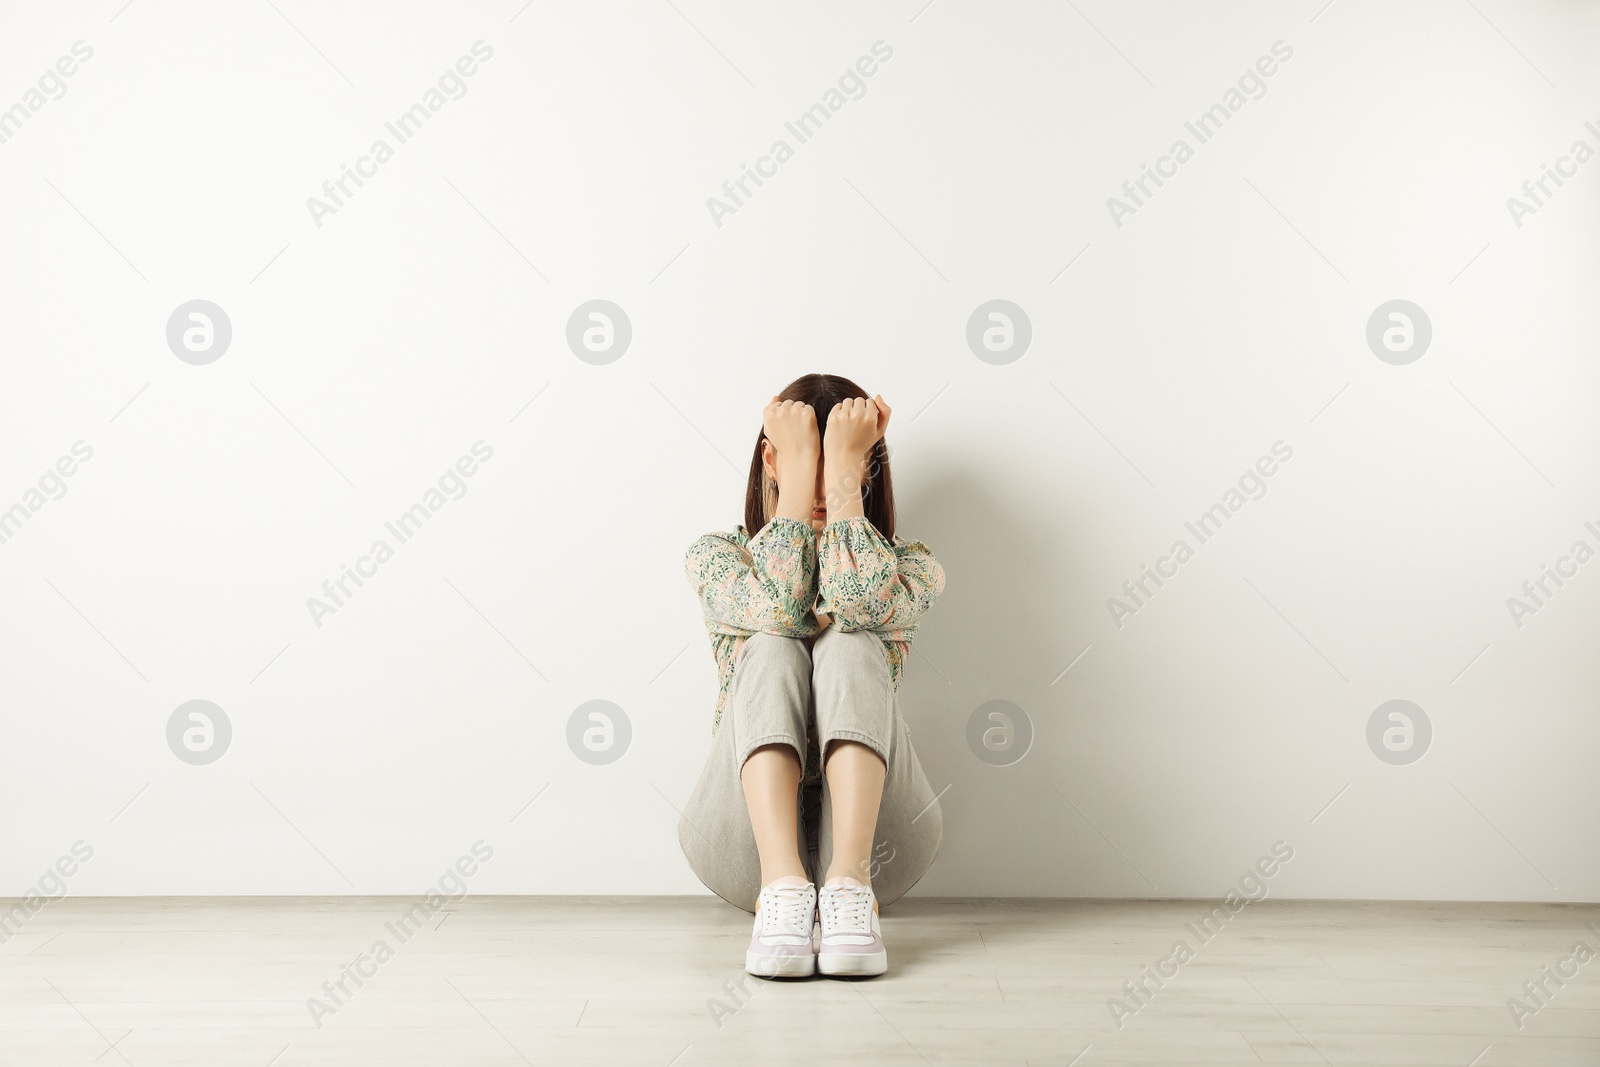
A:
506, 981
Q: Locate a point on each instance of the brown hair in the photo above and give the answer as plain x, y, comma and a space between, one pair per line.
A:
822, 392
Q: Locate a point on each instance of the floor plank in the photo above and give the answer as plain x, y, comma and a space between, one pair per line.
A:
658, 980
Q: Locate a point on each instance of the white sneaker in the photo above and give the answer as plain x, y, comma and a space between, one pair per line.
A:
852, 940
780, 944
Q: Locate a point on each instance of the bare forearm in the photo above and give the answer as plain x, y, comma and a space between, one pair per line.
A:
841, 481
797, 473
854, 427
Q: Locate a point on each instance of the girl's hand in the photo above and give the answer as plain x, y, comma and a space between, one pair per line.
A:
791, 426
855, 425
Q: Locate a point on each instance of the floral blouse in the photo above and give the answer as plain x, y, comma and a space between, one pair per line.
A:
779, 581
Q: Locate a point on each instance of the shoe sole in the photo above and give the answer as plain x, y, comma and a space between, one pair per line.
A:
853, 964
780, 966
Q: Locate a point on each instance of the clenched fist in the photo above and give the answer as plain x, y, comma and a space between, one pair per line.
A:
854, 426
791, 426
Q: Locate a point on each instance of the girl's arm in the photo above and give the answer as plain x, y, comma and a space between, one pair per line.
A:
854, 426
872, 584
768, 587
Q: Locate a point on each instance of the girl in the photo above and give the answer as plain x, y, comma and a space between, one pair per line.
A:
811, 606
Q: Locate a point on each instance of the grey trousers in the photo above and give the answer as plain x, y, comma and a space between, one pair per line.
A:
840, 687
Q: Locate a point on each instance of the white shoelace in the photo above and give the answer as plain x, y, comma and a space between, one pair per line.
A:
786, 910
846, 909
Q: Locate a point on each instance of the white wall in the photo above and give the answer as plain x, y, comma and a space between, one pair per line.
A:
1169, 352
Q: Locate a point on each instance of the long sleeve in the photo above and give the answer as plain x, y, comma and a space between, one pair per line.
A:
765, 586
871, 584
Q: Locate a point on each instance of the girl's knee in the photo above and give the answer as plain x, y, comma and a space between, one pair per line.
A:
856, 656
775, 651
835, 641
